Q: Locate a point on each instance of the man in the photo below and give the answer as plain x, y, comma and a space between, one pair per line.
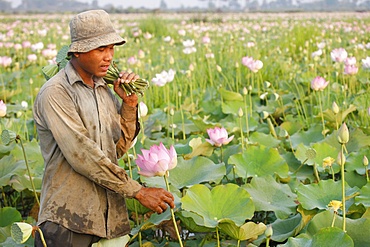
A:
83, 130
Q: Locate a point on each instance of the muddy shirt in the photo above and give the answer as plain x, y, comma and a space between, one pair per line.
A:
82, 132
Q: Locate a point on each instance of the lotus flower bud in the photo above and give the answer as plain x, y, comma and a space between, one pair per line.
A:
365, 161
335, 108
245, 91
341, 159
267, 84
269, 231
143, 109
21, 232
218, 137
2, 109
343, 134
240, 112
219, 69
265, 114
172, 60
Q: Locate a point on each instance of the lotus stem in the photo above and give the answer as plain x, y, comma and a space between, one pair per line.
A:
343, 190
41, 236
173, 214
333, 221
28, 170
322, 115
135, 205
218, 237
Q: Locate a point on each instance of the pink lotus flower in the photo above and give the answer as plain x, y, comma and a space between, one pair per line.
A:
253, 65
319, 83
6, 61
2, 109
247, 60
350, 69
218, 137
350, 61
156, 161
339, 55
206, 40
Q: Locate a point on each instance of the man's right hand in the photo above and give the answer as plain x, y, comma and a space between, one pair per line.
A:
156, 199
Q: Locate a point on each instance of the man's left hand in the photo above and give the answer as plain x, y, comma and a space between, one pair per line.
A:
126, 77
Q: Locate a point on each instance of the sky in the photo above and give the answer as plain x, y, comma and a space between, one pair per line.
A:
140, 3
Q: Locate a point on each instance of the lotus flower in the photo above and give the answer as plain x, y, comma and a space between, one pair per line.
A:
218, 137
350, 69
339, 55
2, 109
319, 83
157, 160
143, 109
366, 63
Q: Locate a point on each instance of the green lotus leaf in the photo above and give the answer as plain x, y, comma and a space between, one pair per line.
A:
197, 170
354, 179
6, 149
354, 161
232, 107
222, 202
249, 230
8, 168
302, 240
62, 54
285, 228
322, 150
357, 140
357, 229
230, 95
8, 216
331, 237
268, 195
133, 204
34, 157
364, 197
259, 161
312, 135
319, 195
303, 154
340, 116
20, 183
266, 140
193, 222
199, 147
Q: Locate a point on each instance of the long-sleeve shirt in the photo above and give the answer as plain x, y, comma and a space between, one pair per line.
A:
82, 133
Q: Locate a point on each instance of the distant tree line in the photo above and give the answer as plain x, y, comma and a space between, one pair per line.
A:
42, 6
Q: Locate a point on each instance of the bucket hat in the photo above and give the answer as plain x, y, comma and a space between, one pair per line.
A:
92, 29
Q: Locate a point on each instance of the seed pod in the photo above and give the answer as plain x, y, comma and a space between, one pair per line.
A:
21, 232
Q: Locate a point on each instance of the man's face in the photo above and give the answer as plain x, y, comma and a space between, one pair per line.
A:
96, 62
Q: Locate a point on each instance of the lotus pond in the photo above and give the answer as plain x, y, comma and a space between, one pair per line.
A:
292, 89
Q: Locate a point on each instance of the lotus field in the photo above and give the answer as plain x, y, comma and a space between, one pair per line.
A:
264, 118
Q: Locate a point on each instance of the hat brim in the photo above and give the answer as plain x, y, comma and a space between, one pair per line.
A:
87, 45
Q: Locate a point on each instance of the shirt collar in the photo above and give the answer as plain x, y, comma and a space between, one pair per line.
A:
74, 77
